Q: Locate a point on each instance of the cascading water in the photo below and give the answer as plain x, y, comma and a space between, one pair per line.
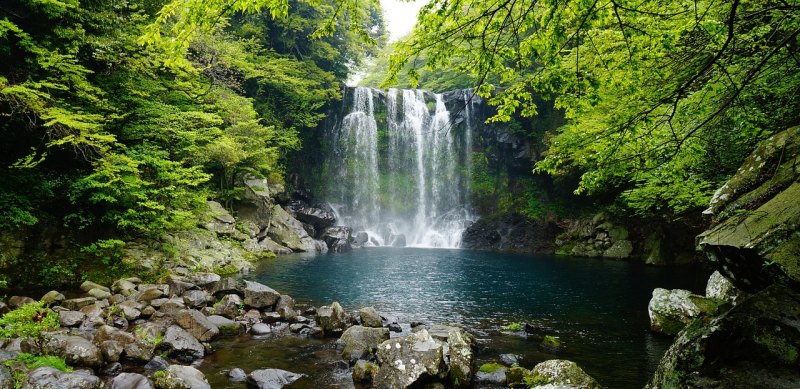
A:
399, 168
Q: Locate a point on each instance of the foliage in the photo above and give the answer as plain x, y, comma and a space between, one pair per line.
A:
515, 326
36, 361
29, 321
663, 99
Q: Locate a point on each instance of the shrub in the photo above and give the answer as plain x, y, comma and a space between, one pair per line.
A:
29, 321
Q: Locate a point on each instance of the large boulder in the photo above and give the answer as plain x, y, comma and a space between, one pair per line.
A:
181, 377
197, 324
317, 217
370, 317
259, 295
756, 344
50, 378
360, 342
756, 240
288, 231
562, 373
337, 238
220, 220
181, 345
77, 351
671, 310
409, 360
271, 378
459, 352
333, 319
131, 381
720, 288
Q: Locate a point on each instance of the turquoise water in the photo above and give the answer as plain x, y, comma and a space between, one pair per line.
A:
597, 308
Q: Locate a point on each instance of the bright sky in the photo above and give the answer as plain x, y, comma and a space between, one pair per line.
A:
400, 16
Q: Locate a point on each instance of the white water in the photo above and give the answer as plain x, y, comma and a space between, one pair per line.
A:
415, 188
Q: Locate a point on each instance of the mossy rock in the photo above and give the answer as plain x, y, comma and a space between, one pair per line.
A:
490, 367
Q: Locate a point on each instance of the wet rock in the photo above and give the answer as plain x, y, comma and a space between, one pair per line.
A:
52, 298
260, 329
258, 295
181, 345
237, 375
370, 317
229, 306
671, 310
754, 344
252, 316
317, 217
71, 318
332, 319
459, 352
285, 308
197, 324
491, 373
78, 303
364, 372
86, 286
131, 381
181, 377
563, 373
271, 378
360, 342
50, 378
111, 350
111, 369
404, 361
225, 325
271, 317
337, 238
157, 364
510, 359
76, 350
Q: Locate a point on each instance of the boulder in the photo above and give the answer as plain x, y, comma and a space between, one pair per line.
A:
50, 378
258, 295
492, 373
407, 360
6, 378
227, 285
271, 378
361, 342
225, 325
237, 375
370, 317
197, 324
86, 286
337, 238
123, 287
77, 351
181, 377
260, 329
671, 310
195, 298
156, 364
130, 381
99, 294
181, 345
111, 350
71, 318
721, 288
52, 297
756, 239
317, 217
755, 344
332, 319
228, 306
289, 232
459, 352
220, 220
364, 372
285, 307
78, 303
562, 373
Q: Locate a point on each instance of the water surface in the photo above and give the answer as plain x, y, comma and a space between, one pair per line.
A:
597, 308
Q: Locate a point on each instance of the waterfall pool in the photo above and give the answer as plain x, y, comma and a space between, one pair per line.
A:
596, 308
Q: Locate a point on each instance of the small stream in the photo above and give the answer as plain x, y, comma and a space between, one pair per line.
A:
596, 308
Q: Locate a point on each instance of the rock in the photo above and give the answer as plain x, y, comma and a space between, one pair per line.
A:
195, 298
364, 372
559, 373
671, 310
123, 287
271, 378
181, 377
285, 308
237, 375
71, 318
86, 286
404, 361
197, 324
332, 319
721, 288
99, 294
220, 220
225, 325
130, 381
461, 357
227, 285
258, 295
17, 301
50, 378
111, 350
130, 312
289, 232
228, 306
76, 350
52, 298
272, 317
147, 295
361, 342
510, 359
754, 344
621, 249
260, 329
181, 345
370, 317
156, 364
204, 279
173, 306
317, 217
515, 376
758, 216
337, 238
491, 373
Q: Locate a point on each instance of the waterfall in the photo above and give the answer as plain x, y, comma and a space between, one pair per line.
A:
399, 167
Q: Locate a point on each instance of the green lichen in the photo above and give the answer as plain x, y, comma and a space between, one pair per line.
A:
779, 347
516, 326
551, 341
490, 367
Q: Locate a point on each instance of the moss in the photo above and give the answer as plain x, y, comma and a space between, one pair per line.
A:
516, 326
533, 380
551, 341
779, 347
515, 376
490, 367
